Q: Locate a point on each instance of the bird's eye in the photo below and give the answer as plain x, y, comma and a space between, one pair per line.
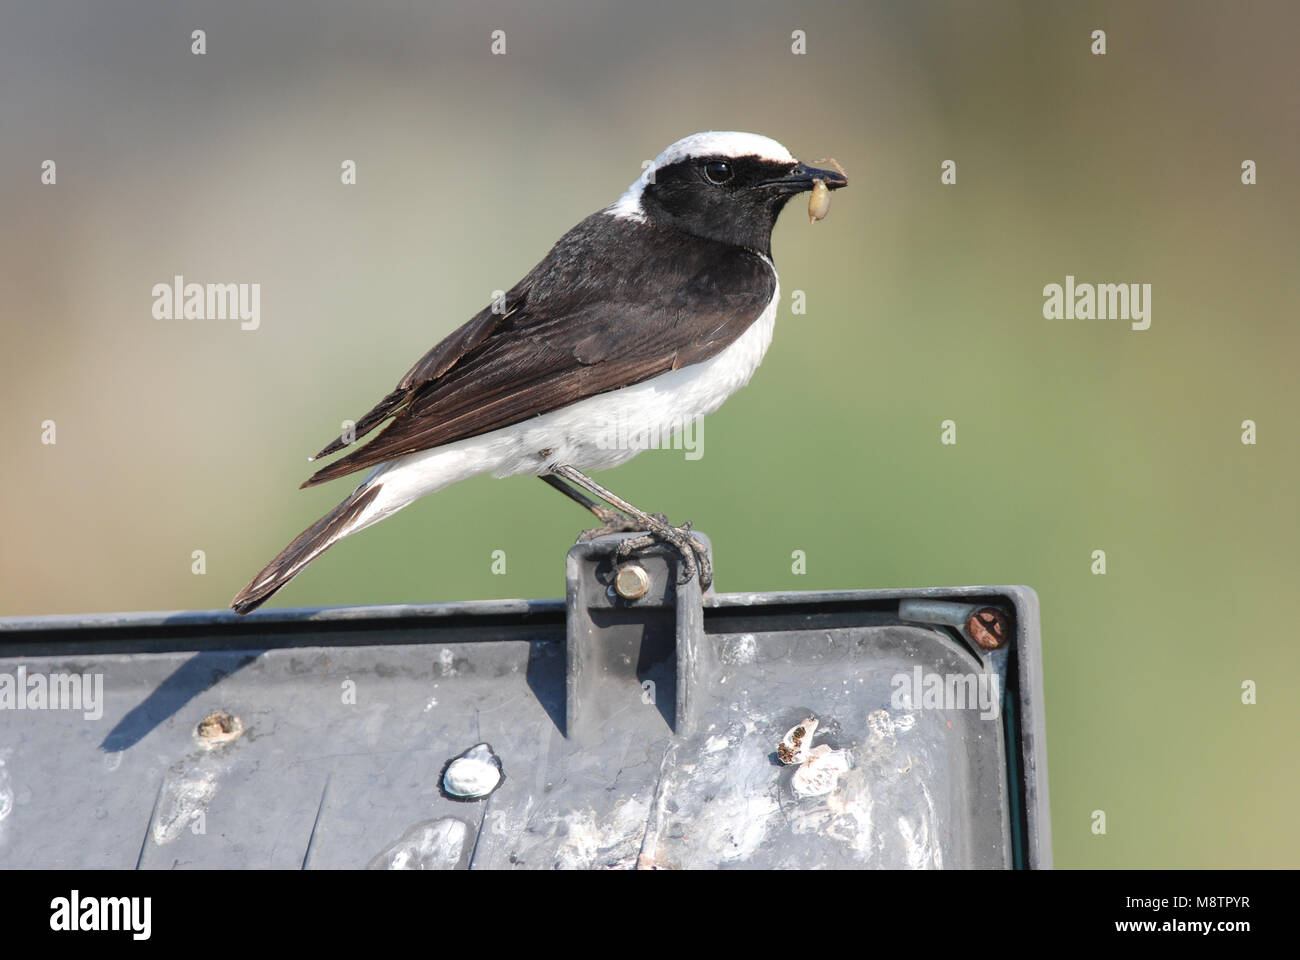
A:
717, 172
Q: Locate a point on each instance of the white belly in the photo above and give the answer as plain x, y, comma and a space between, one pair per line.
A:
597, 433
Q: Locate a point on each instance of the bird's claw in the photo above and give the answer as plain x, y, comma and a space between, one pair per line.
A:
694, 554
614, 522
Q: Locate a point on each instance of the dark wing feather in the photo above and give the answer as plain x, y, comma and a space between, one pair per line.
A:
599, 313
431, 366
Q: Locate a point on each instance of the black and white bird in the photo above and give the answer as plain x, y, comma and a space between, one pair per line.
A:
642, 318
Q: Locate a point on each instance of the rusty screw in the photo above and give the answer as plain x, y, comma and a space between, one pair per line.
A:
631, 581
988, 628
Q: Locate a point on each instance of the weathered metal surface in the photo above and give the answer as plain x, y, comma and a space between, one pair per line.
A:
629, 732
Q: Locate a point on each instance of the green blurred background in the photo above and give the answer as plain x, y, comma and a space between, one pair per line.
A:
924, 302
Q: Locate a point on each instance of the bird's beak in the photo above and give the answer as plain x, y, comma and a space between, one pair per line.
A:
801, 178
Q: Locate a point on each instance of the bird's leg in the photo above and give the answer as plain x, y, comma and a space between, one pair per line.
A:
611, 521
615, 521
695, 556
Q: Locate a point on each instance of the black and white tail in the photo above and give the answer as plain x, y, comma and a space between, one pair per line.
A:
306, 547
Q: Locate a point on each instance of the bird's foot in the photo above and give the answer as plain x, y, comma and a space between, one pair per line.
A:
694, 554
614, 522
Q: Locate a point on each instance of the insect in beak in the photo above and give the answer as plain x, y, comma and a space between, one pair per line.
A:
819, 202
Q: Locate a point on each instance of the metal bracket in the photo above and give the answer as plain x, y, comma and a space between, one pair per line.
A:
633, 642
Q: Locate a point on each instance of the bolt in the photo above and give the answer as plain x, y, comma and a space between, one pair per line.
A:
631, 581
988, 628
